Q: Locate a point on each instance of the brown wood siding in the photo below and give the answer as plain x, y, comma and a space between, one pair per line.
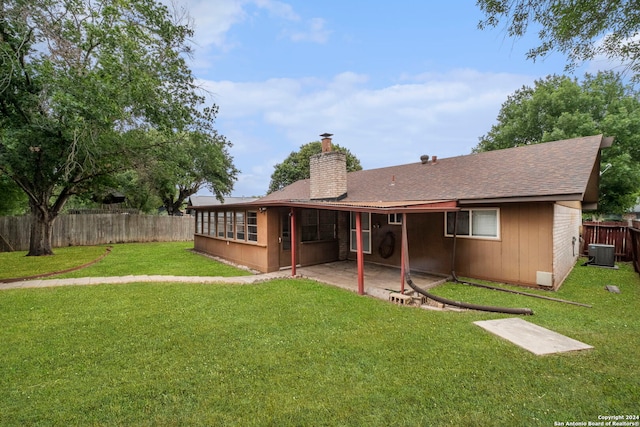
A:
247, 254
525, 246
429, 251
311, 253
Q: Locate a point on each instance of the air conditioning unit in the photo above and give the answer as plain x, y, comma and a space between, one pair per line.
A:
602, 255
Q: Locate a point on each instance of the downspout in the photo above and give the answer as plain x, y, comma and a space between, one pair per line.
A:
525, 311
292, 215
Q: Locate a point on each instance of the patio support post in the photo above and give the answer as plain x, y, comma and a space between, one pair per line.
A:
405, 252
402, 252
453, 250
360, 254
292, 215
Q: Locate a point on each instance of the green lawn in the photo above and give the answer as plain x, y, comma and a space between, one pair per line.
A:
295, 352
173, 258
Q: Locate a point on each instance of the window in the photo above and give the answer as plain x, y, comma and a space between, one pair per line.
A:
318, 225
395, 219
327, 224
229, 222
199, 221
252, 226
366, 232
212, 223
240, 233
205, 222
309, 225
220, 224
480, 223
229, 225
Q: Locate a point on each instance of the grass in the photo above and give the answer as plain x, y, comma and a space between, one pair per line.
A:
16, 264
295, 352
173, 258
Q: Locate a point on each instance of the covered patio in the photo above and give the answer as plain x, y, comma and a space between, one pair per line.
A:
379, 280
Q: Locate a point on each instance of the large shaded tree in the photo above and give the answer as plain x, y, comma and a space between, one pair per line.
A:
580, 29
297, 165
81, 84
559, 107
13, 200
192, 161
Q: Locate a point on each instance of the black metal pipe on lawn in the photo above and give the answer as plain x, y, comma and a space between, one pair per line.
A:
490, 308
511, 291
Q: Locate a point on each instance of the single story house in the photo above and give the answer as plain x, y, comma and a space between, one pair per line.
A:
510, 215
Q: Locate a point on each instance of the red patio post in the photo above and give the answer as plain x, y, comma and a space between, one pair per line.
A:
360, 253
402, 254
292, 214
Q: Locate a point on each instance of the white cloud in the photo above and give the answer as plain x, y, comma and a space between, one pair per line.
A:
441, 114
278, 9
214, 19
314, 31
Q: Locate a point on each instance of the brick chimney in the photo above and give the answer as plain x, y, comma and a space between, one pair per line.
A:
328, 172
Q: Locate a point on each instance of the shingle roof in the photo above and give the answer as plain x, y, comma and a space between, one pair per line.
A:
195, 201
559, 170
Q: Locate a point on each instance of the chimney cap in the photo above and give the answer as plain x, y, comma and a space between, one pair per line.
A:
326, 135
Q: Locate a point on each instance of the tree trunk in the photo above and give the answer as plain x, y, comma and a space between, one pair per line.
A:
41, 231
173, 206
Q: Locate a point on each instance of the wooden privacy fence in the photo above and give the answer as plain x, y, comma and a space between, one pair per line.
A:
85, 230
608, 233
634, 232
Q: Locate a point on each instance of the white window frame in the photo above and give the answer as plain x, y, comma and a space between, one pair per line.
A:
220, 227
205, 223
252, 226
230, 219
394, 219
471, 233
366, 232
199, 217
239, 226
240, 218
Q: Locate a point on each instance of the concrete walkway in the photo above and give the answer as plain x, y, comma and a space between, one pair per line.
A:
240, 280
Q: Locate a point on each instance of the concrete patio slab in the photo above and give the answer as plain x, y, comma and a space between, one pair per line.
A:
379, 280
534, 338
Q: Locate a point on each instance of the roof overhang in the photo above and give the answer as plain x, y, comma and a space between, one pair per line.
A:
421, 206
524, 199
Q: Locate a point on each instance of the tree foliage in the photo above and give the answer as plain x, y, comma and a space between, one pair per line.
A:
559, 107
296, 166
191, 161
81, 84
580, 29
13, 200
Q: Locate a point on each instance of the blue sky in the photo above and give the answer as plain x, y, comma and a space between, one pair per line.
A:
390, 80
